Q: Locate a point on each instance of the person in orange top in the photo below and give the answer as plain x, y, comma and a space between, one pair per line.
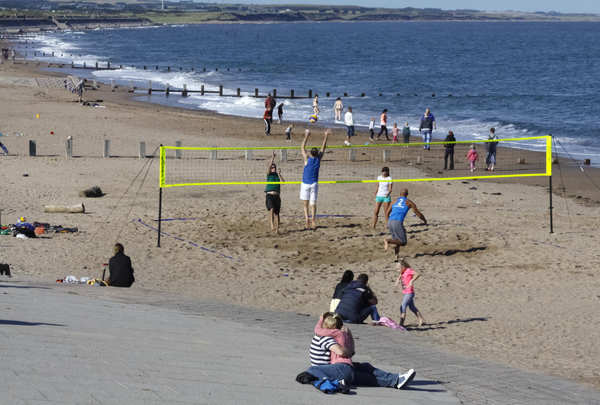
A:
383, 123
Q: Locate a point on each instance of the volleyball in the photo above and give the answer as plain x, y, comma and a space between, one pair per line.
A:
313, 118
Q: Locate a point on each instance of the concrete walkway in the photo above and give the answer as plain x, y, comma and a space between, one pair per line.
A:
91, 345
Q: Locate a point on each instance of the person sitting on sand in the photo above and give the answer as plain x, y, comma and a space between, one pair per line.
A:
407, 278
119, 266
358, 301
331, 351
396, 214
273, 200
347, 277
309, 188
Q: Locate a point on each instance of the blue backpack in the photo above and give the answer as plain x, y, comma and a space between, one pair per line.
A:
327, 386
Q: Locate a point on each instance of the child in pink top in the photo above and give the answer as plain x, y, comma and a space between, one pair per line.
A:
341, 334
395, 132
472, 157
407, 277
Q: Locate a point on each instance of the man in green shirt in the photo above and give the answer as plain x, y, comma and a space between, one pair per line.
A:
273, 201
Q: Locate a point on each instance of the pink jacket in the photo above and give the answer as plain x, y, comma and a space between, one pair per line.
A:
342, 337
472, 155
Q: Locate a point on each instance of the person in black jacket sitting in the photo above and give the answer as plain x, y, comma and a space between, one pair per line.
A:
339, 289
358, 301
119, 266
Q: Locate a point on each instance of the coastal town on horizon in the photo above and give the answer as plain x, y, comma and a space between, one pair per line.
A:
31, 15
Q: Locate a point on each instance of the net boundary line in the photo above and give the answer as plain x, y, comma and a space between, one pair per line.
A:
163, 160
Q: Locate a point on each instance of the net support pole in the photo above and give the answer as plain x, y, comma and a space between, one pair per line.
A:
159, 215
550, 196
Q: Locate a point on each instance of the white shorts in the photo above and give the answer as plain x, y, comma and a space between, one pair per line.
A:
309, 192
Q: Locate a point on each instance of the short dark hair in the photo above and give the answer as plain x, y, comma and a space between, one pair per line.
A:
119, 248
314, 152
385, 169
363, 278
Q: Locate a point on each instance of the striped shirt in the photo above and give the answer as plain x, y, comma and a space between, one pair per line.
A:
319, 350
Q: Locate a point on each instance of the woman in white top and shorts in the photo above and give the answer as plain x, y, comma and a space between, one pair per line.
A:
383, 194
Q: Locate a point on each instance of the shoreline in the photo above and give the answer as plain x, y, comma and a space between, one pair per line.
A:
486, 252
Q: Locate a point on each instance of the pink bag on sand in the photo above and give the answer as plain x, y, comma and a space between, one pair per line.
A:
390, 323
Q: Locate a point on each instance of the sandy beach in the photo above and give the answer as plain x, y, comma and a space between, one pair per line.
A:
495, 283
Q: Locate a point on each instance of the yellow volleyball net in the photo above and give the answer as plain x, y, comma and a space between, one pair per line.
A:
182, 166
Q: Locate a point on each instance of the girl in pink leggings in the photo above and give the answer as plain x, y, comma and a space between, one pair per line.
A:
407, 277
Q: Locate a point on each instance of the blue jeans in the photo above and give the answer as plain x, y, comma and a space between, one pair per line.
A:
365, 375
368, 311
408, 301
338, 371
426, 138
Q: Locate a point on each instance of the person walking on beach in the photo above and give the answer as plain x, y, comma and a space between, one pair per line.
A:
338, 107
449, 150
280, 112
288, 132
268, 115
273, 103
472, 157
406, 133
383, 193
349, 122
273, 200
490, 159
268, 118
396, 214
309, 188
427, 126
347, 277
315, 105
395, 132
383, 124
372, 129
406, 279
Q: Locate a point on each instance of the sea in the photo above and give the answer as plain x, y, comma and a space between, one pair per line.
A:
523, 78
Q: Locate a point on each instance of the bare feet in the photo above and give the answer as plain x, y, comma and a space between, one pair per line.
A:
385, 245
313, 224
307, 225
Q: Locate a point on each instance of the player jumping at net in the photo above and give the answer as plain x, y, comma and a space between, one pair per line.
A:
396, 214
309, 188
273, 200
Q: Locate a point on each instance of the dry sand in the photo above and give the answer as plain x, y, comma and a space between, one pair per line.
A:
496, 284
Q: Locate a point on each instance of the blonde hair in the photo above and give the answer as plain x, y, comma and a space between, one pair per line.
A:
333, 322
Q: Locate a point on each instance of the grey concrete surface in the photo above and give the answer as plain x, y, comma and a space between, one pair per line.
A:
92, 345
65, 345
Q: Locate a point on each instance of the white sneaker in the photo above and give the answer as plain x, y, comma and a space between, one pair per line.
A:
346, 143
405, 378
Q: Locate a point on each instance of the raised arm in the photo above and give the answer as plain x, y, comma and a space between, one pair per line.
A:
271, 163
280, 175
303, 147
327, 132
416, 210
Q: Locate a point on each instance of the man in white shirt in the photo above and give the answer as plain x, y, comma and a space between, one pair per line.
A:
349, 121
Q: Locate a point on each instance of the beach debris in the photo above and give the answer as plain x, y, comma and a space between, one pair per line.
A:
473, 188
73, 209
92, 192
25, 174
495, 193
37, 116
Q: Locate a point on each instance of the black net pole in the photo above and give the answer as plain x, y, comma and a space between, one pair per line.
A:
159, 215
550, 195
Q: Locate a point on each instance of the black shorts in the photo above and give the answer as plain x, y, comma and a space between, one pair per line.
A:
273, 202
